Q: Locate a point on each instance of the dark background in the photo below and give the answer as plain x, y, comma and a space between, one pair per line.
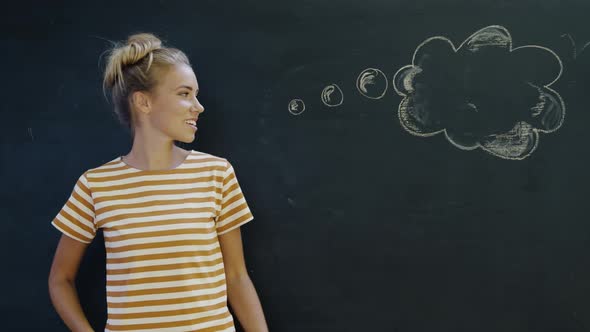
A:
359, 225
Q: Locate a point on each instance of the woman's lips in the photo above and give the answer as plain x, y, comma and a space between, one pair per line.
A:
190, 121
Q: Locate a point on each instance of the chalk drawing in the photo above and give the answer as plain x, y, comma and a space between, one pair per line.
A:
372, 83
332, 96
481, 94
574, 46
296, 106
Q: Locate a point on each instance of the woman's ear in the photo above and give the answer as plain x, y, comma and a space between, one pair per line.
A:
141, 101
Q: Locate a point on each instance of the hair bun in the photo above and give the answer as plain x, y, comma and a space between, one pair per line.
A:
138, 46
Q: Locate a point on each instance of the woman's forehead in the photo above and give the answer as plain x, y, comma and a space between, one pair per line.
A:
179, 75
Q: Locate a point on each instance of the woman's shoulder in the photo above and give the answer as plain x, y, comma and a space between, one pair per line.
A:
105, 164
210, 158
207, 156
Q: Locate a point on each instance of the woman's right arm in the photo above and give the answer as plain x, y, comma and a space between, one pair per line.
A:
62, 286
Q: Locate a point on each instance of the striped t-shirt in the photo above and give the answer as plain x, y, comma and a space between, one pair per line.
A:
164, 267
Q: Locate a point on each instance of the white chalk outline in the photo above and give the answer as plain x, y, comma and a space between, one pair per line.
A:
326, 94
571, 39
295, 101
364, 93
516, 128
510, 49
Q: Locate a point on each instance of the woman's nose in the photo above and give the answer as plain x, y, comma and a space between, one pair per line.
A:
198, 107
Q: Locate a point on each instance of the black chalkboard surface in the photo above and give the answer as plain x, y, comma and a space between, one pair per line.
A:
411, 165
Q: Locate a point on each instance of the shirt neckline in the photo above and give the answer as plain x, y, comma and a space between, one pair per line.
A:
125, 165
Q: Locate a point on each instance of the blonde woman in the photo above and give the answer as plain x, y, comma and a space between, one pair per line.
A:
170, 217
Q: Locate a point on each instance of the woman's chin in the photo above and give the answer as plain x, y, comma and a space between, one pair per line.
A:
187, 139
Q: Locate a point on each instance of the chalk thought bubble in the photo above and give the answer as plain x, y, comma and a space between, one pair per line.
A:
332, 95
296, 106
372, 83
483, 94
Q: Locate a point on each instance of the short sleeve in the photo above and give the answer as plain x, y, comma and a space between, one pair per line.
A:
234, 211
76, 217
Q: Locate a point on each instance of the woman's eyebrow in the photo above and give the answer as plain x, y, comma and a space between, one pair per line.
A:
188, 87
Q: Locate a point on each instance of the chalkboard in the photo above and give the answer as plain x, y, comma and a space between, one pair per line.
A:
411, 165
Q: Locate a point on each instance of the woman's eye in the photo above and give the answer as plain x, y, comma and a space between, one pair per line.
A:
184, 94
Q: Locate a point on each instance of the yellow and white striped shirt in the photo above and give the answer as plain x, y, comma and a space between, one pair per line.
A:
164, 266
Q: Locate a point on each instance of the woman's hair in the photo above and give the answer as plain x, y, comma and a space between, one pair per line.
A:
134, 66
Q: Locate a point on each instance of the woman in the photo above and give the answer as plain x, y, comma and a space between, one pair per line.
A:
170, 217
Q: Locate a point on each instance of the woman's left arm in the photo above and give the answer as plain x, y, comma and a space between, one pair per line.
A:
240, 290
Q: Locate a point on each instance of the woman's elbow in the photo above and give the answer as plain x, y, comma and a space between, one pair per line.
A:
57, 279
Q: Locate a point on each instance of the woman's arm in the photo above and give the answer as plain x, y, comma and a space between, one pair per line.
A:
240, 290
62, 287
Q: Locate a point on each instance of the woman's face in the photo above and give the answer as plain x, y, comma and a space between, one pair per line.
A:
174, 102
